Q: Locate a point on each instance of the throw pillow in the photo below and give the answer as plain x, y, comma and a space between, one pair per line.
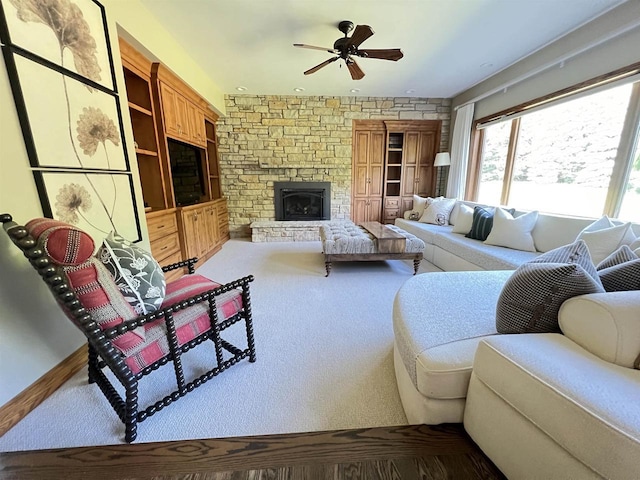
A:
531, 297
438, 211
64, 243
620, 271
511, 232
419, 205
464, 220
138, 276
603, 238
483, 222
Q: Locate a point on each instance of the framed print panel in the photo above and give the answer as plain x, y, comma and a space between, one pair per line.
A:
72, 126
96, 202
69, 33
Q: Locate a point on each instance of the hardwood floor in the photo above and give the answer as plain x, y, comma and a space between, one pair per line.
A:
405, 452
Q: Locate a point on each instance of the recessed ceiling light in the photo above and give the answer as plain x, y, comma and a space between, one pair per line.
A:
241, 89
411, 90
486, 65
298, 89
355, 90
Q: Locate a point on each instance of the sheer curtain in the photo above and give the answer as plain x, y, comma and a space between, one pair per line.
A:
460, 144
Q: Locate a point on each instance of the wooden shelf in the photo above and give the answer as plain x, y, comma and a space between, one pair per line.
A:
140, 109
394, 149
210, 140
148, 153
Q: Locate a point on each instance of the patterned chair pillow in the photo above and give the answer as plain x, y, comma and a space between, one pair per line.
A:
532, 296
72, 249
138, 276
620, 271
437, 212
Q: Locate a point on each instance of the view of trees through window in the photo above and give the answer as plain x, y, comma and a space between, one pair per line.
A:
564, 157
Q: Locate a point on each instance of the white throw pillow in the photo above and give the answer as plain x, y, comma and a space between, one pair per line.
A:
419, 205
603, 238
464, 219
511, 232
438, 211
605, 324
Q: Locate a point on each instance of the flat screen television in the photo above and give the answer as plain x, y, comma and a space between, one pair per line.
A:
187, 173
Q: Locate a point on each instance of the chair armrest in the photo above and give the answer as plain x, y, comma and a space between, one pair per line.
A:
190, 263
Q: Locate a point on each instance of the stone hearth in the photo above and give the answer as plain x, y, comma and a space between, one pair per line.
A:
279, 231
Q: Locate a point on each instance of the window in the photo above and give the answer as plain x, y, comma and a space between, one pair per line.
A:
630, 209
562, 158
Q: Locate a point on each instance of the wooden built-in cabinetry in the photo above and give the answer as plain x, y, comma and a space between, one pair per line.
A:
392, 161
165, 111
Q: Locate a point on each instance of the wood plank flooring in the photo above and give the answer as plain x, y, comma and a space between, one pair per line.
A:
405, 452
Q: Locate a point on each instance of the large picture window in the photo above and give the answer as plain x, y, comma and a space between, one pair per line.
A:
570, 157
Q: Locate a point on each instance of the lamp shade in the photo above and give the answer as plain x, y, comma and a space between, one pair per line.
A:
442, 159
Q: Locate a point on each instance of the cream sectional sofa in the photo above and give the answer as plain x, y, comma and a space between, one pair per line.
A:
454, 252
541, 406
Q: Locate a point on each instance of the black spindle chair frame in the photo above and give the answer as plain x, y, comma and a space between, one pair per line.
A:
103, 354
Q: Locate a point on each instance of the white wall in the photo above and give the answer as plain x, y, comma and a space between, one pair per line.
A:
604, 58
34, 334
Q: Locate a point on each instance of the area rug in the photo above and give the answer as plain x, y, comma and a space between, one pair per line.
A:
324, 359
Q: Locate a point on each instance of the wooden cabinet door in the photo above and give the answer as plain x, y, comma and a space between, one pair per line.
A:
197, 132
376, 163
191, 228
170, 110
426, 179
361, 165
409, 177
182, 106
375, 210
211, 224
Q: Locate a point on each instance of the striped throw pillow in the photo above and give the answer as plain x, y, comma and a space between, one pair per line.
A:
483, 222
620, 271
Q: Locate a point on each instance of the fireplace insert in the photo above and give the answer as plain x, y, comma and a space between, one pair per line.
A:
297, 201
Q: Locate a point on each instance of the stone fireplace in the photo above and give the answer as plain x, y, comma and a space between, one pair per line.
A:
302, 201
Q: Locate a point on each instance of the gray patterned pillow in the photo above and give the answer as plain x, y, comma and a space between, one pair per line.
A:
138, 276
620, 271
531, 297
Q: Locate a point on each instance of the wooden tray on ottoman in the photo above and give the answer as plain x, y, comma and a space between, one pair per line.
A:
369, 241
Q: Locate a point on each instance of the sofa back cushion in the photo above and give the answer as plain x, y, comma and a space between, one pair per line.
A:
553, 231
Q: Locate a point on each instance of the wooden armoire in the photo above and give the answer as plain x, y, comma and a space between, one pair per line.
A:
392, 161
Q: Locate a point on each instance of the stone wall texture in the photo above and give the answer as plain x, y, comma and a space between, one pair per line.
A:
265, 139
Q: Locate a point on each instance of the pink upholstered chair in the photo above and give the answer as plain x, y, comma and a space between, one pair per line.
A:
123, 332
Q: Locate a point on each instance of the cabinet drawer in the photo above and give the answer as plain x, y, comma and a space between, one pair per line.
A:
391, 214
165, 246
162, 225
392, 202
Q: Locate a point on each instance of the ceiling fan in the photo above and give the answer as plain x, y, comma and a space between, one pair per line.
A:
347, 47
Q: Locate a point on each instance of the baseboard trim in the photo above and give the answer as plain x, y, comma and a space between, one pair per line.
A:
21, 405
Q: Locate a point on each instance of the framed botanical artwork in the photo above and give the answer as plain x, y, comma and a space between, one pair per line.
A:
60, 67
71, 34
96, 202
71, 126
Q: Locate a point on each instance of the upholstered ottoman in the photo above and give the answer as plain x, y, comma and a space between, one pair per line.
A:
438, 320
370, 241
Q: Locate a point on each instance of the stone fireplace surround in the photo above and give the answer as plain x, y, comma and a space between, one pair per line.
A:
266, 139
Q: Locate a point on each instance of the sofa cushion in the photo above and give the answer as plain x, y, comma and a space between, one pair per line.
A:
487, 257
437, 342
531, 298
512, 232
585, 399
606, 324
603, 238
138, 276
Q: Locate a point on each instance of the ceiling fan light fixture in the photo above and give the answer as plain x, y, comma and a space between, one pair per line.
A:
355, 90
241, 89
298, 89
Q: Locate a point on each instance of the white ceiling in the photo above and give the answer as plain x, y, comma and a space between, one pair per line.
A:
448, 45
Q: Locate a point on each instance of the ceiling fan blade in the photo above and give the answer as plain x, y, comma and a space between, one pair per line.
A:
323, 64
360, 34
394, 54
311, 47
354, 69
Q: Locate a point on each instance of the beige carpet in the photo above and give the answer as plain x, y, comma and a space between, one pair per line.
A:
324, 348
